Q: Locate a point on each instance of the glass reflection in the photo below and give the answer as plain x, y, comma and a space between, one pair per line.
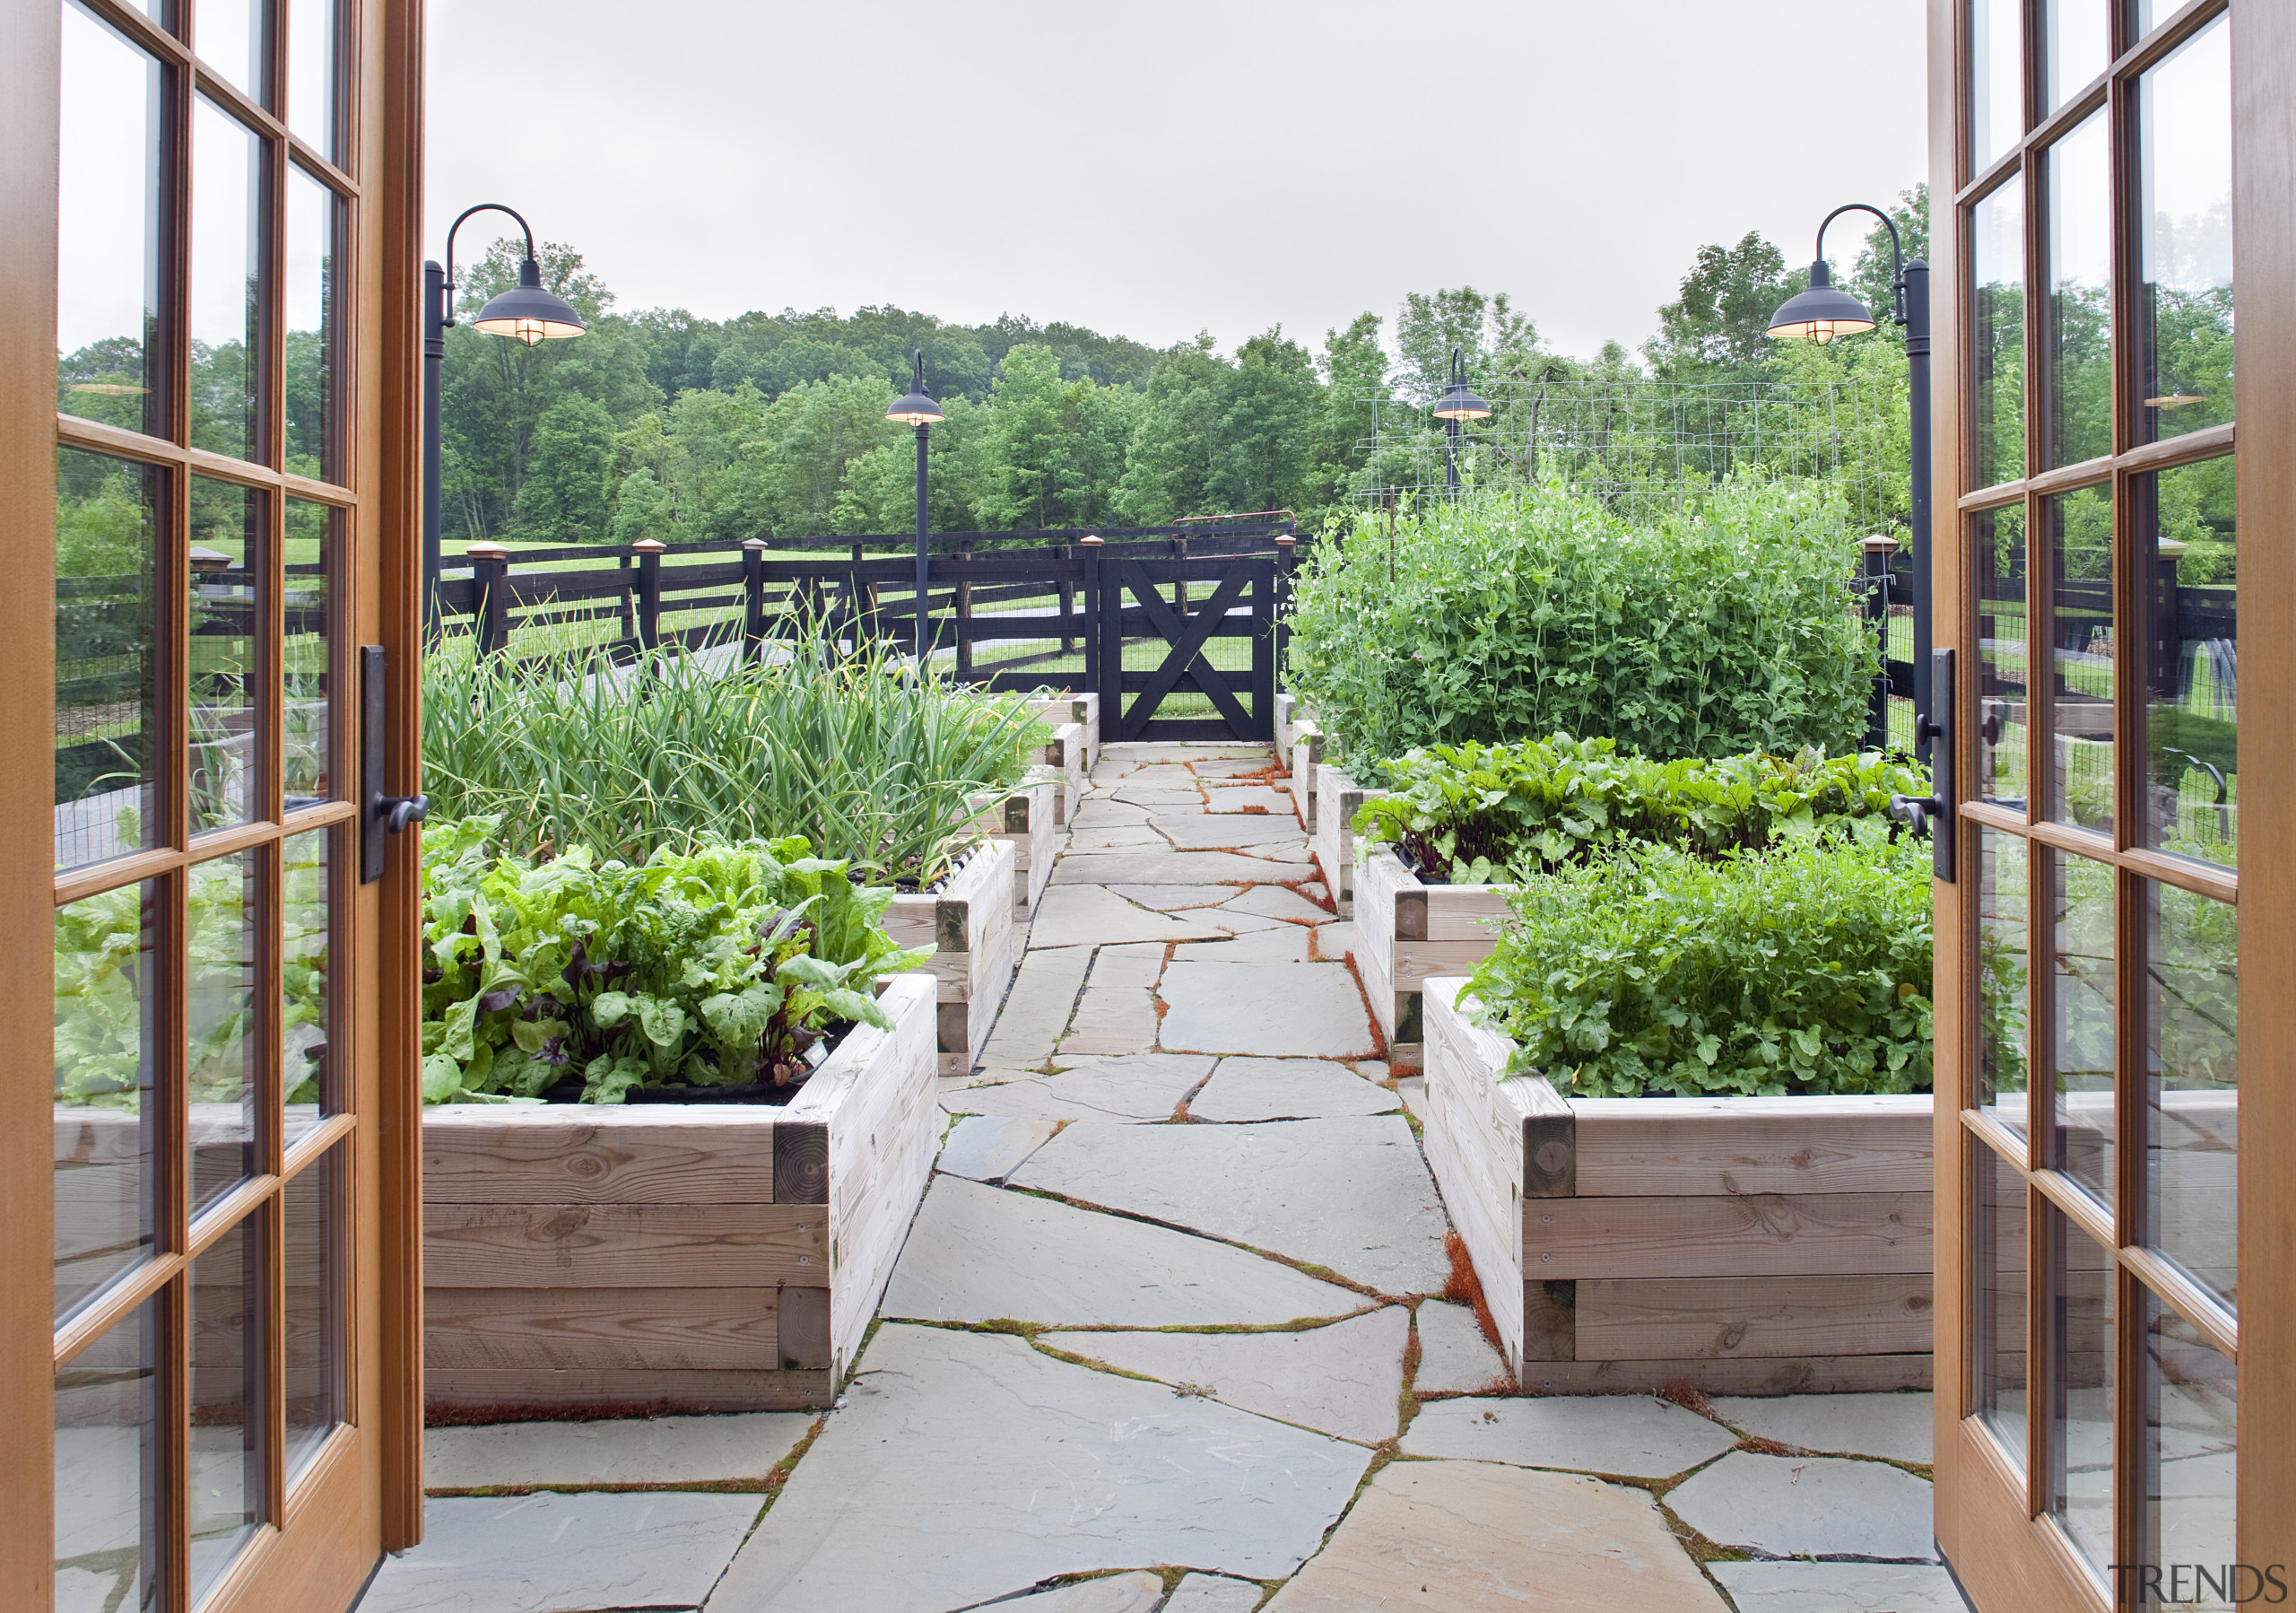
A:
2191, 1405
1997, 1300
313, 74
2081, 1002
2003, 968
303, 1073
310, 339
2188, 589
1996, 80
2184, 176
230, 36
112, 112
227, 1392
110, 1551
1997, 327
2079, 329
107, 656
2192, 991
315, 1320
106, 1073
2081, 632
226, 284
2076, 44
230, 563
2003, 693
223, 1032
2080, 1429
314, 536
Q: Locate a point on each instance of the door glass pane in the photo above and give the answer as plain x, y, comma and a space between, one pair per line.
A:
2079, 1430
107, 656
2079, 329
304, 1017
2189, 580
229, 565
228, 36
311, 366
313, 76
107, 228
224, 1034
107, 1068
2076, 45
108, 1418
226, 284
2080, 620
227, 1390
2003, 968
2190, 1402
1997, 327
1998, 1302
1999, 567
314, 539
2184, 176
2192, 981
2080, 994
315, 1320
1996, 80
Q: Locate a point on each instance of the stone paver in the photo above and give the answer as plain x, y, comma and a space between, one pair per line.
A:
1176, 868
564, 1553
671, 1450
1280, 1010
990, 1147
1208, 1593
1134, 1087
1137, 1592
1287, 1089
1839, 1588
1037, 1009
1467, 1535
1088, 915
1107, 812
969, 1465
1633, 1436
979, 1253
1895, 1426
1279, 942
1413, 1091
1117, 1013
1223, 830
1351, 1195
1246, 797
1274, 902
1344, 1379
1177, 898
1115, 837
1454, 1356
1815, 1506
1335, 941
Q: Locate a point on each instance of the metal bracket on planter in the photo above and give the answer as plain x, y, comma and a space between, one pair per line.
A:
1933, 814
380, 815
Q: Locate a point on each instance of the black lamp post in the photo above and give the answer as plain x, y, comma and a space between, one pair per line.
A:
525, 312
1825, 311
1457, 404
920, 411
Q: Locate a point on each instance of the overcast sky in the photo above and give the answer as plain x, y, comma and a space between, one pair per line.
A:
1152, 170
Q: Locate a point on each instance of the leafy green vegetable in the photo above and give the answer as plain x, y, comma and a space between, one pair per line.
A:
1652, 970
1467, 811
720, 966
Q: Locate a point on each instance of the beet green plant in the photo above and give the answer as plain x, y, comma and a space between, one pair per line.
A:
723, 966
1650, 969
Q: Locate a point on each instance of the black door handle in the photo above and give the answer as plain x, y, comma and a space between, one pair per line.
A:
1933, 815
380, 815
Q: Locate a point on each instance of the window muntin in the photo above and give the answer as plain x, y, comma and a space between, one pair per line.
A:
233, 38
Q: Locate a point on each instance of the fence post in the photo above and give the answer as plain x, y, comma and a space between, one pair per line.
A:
1287, 555
1180, 589
629, 620
1877, 551
490, 570
649, 551
753, 598
963, 591
1066, 551
1096, 608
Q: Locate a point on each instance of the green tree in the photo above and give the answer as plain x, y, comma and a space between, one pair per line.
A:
1495, 339
1713, 329
563, 499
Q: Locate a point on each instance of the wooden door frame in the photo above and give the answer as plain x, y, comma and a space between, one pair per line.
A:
381, 356
2009, 1562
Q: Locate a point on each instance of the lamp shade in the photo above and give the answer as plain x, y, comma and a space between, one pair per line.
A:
528, 312
1822, 313
918, 407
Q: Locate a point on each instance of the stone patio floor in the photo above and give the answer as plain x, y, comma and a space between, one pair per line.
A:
1169, 1333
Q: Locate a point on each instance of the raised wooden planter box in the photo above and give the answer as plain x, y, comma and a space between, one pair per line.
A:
1740, 1245
1083, 709
1337, 798
673, 1257
1067, 752
969, 924
1025, 819
1408, 933
1304, 755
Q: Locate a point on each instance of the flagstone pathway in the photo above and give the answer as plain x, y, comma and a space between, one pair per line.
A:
1167, 1336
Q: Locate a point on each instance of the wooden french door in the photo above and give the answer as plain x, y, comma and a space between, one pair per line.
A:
209, 1303
2117, 1281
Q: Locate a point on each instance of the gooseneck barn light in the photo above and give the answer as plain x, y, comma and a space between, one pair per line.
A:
919, 410
1457, 403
